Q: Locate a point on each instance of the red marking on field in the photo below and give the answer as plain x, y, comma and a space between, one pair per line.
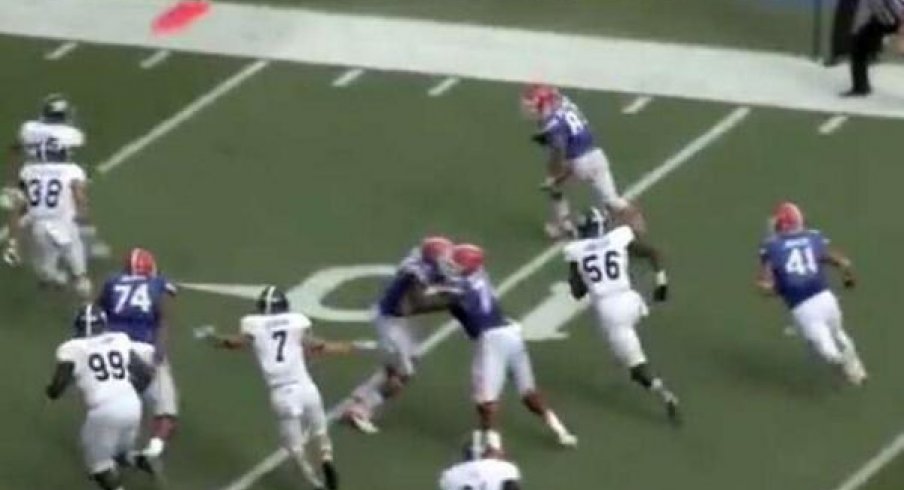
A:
180, 16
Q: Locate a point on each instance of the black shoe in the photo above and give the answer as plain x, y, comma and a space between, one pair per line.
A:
857, 92
671, 408
149, 465
330, 475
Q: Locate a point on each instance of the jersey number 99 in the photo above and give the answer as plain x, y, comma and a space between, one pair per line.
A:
112, 366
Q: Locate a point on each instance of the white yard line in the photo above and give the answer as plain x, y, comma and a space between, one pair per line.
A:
832, 124
183, 115
154, 59
445, 331
443, 86
638, 104
61, 51
348, 77
869, 469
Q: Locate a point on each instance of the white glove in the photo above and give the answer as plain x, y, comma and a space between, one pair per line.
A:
10, 197
11, 253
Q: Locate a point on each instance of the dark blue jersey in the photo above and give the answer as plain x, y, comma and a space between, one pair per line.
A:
567, 130
476, 306
133, 303
413, 271
796, 261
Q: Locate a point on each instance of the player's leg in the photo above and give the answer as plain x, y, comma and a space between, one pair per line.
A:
293, 438
522, 373
488, 372
45, 258
594, 168
73, 254
619, 316
164, 402
853, 368
399, 351
99, 441
315, 424
559, 226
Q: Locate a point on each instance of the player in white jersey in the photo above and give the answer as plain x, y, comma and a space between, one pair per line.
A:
55, 123
598, 265
482, 469
56, 201
107, 368
281, 343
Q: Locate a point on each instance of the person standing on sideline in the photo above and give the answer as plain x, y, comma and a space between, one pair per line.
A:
873, 21
842, 24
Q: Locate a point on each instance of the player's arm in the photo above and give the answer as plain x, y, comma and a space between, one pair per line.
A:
80, 194
230, 342
161, 336
14, 225
315, 346
641, 248
765, 281
557, 168
140, 373
575, 281
62, 378
424, 298
837, 258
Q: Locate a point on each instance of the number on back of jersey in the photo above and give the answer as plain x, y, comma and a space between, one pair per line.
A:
801, 261
106, 367
132, 296
595, 269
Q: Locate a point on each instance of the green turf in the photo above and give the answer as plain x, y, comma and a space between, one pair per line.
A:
287, 176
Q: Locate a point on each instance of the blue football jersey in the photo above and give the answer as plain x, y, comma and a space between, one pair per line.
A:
476, 306
568, 130
412, 271
796, 261
132, 304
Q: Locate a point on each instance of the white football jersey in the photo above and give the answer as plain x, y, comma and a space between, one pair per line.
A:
277, 344
34, 133
101, 365
48, 189
603, 262
481, 474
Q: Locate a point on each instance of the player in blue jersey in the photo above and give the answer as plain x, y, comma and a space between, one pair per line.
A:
792, 265
499, 347
573, 151
411, 291
137, 303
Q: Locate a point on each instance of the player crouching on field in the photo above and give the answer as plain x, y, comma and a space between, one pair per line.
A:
483, 468
572, 151
499, 347
108, 369
598, 264
792, 265
411, 291
282, 342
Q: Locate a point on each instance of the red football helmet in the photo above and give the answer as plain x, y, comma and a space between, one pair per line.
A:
787, 218
465, 259
140, 262
435, 247
539, 99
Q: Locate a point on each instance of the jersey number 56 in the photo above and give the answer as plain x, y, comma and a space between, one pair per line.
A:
610, 268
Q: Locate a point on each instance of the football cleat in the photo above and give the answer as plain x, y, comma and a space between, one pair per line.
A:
671, 407
357, 416
140, 262
787, 218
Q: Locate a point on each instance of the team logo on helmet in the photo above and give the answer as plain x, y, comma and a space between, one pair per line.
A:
90, 320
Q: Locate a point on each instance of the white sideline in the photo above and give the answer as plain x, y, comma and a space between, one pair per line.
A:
447, 329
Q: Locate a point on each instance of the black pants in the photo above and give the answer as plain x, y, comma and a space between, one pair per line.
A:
866, 45
842, 25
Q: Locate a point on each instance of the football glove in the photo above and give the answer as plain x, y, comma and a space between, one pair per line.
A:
661, 292
11, 253
539, 138
849, 281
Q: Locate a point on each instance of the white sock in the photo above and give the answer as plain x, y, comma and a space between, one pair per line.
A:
554, 423
154, 448
305, 467
492, 440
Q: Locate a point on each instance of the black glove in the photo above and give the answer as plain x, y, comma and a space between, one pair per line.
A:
539, 138
661, 293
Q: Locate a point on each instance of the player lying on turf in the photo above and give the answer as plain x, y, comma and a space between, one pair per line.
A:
405, 295
598, 264
54, 123
107, 368
56, 200
282, 341
137, 302
483, 468
565, 133
792, 265
499, 348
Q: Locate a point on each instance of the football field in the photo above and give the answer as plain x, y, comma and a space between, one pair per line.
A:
237, 173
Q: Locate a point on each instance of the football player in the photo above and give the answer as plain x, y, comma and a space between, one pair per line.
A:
565, 133
483, 468
598, 265
413, 290
282, 341
499, 347
55, 122
792, 265
56, 200
108, 369
137, 302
